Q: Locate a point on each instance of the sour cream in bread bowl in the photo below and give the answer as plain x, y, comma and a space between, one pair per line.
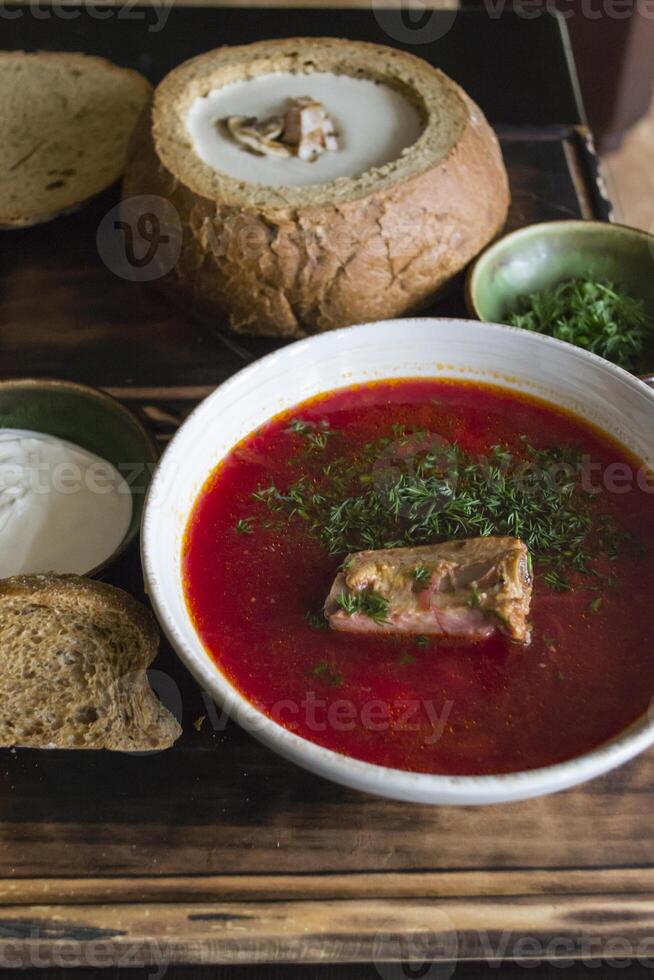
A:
373, 122
62, 508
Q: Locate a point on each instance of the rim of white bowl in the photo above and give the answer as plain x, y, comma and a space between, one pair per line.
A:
344, 769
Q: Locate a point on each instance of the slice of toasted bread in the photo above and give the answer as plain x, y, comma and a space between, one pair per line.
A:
74, 655
66, 120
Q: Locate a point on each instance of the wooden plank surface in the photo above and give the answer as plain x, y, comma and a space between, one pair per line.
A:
423, 885
539, 969
124, 334
374, 930
300, 4
231, 807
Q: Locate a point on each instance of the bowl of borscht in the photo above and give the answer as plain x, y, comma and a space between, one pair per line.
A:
415, 558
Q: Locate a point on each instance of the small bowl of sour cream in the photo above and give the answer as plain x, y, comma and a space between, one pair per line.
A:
75, 465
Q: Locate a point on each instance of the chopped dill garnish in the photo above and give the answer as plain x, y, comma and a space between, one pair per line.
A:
367, 602
421, 641
594, 314
557, 581
269, 496
318, 439
538, 495
421, 577
594, 606
326, 673
316, 433
316, 620
475, 597
244, 526
406, 659
299, 427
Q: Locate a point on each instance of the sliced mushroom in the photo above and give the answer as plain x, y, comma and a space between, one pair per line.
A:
260, 137
305, 130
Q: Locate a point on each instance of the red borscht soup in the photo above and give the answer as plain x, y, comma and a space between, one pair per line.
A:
413, 462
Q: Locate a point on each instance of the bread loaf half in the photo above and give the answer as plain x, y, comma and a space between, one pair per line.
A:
66, 120
74, 655
294, 260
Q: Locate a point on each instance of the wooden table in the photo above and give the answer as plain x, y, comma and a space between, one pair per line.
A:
218, 851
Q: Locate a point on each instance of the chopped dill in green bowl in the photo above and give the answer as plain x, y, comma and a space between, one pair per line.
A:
594, 314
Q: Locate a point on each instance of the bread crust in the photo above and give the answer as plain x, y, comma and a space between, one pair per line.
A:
283, 265
73, 590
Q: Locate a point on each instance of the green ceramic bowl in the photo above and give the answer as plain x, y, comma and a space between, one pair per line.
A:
543, 255
91, 419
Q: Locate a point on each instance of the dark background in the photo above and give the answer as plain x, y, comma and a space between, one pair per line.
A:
529, 84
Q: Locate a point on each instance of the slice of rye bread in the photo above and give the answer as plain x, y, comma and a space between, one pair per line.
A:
74, 655
66, 120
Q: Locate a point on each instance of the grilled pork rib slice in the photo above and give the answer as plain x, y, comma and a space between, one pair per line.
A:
466, 590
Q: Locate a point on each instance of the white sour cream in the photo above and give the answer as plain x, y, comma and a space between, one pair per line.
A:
62, 509
373, 123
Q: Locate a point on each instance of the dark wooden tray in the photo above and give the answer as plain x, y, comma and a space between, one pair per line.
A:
218, 850
63, 313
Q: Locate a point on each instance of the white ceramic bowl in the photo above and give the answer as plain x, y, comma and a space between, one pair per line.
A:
564, 375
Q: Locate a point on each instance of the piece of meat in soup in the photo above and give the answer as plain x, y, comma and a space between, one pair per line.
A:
466, 590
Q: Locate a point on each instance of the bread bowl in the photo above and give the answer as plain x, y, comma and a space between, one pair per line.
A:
289, 260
